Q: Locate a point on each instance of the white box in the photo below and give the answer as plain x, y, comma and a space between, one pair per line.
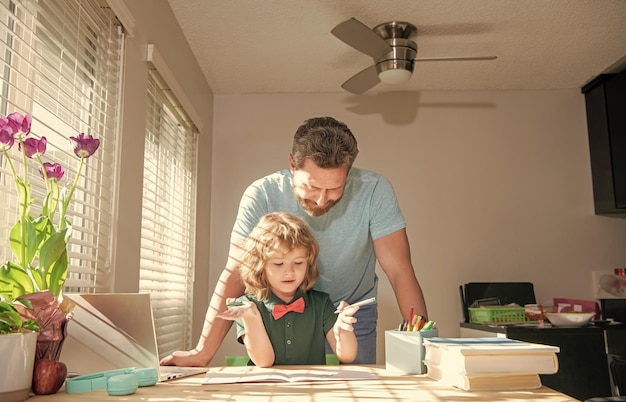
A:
404, 350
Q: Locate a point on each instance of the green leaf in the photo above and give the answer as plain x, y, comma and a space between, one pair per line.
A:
31, 325
44, 206
38, 275
14, 281
24, 302
15, 241
30, 241
44, 228
52, 249
11, 317
68, 227
56, 276
11, 321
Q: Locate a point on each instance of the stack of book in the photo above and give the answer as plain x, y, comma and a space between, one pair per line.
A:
481, 364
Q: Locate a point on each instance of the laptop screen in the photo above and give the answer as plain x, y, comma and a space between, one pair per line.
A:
110, 331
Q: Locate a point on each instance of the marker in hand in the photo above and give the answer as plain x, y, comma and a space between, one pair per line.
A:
361, 303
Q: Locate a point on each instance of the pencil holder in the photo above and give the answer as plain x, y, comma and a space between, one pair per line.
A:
404, 350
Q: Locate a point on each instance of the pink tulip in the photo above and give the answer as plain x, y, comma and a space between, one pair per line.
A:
53, 171
84, 145
21, 122
6, 140
33, 146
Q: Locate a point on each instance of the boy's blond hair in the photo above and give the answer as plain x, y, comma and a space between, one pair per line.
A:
277, 233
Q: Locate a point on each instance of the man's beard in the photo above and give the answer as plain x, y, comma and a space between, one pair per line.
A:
312, 209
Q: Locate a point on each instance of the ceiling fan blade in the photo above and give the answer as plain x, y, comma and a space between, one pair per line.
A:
362, 81
476, 58
359, 36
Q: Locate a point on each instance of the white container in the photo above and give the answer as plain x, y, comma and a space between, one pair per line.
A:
571, 319
17, 359
404, 350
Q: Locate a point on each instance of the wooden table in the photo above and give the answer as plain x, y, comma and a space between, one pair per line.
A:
390, 386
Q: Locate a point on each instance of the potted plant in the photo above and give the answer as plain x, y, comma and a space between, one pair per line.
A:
17, 348
39, 238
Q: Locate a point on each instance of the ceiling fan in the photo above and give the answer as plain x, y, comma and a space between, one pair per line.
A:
392, 49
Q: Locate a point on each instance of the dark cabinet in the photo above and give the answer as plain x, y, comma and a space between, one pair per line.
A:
605, 100
584, 360
592, 359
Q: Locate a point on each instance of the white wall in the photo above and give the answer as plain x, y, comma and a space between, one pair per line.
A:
495, 186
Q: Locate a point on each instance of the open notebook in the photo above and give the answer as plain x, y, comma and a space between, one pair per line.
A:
114, 331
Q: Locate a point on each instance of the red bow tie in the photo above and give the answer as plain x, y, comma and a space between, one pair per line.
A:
280, 310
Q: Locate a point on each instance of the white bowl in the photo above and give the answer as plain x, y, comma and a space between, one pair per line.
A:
573, 319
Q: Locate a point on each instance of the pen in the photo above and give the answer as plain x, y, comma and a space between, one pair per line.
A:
235, 303
361, 303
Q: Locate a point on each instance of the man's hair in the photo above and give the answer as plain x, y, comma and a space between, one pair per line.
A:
328, 142
276, 234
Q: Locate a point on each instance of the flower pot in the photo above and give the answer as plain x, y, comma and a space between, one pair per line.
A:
17, 354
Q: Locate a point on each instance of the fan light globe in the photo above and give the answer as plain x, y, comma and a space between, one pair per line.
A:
394, 77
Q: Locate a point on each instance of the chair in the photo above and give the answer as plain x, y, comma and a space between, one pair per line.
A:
237, 360
242, 360
331, 359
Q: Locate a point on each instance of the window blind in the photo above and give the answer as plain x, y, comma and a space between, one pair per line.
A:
60, 61
168, 216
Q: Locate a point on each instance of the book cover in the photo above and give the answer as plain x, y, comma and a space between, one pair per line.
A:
489, 345
490, 355
485, 382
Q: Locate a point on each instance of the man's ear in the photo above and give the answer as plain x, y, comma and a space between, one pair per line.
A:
292, 164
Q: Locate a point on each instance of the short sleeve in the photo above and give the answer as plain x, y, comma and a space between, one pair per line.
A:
386, 216
252, 206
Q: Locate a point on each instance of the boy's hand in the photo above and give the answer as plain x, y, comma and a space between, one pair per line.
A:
345, 318
238, 309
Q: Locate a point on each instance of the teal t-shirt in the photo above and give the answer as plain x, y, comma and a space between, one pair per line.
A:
297, 338
367, 211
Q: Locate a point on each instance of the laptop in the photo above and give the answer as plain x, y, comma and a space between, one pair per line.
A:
111, 331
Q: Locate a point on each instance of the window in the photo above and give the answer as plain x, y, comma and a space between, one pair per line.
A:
60, 61
168, 216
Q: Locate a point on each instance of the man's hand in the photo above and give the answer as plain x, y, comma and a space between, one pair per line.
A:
190, 358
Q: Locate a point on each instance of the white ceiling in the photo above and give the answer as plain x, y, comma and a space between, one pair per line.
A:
284, 46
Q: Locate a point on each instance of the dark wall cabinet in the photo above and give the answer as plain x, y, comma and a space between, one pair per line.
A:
605, 99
